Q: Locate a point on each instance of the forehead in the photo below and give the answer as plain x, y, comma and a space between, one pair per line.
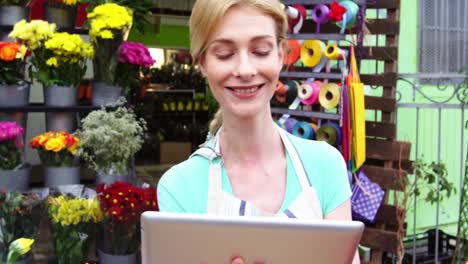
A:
244, 23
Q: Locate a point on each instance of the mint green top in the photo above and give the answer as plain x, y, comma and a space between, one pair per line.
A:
184, 187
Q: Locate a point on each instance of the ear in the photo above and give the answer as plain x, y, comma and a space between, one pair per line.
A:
281, 53
201, 64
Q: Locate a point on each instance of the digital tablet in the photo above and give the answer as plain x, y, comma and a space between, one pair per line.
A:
172, 238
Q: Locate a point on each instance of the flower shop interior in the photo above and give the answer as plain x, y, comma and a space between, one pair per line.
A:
99, 98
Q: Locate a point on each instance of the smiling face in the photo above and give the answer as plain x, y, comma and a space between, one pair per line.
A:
242, 61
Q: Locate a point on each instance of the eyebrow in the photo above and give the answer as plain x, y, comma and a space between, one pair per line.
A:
229, 41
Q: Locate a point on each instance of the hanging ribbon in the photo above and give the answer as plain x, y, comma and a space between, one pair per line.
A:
320, 15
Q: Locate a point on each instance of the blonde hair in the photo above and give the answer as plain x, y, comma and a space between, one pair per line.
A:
207, 14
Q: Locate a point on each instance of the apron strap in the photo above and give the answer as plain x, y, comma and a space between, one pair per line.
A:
296, 160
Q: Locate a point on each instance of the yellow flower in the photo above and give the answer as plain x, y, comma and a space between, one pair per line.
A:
106, 34
52, 62
32, 34
70, 2
18, 248
55, 144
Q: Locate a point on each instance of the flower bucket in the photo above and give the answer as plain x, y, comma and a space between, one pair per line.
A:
15, 180
104, 94
14, 95
116, 259
64, 18
11, 14
109, 178
61, 96
55, 176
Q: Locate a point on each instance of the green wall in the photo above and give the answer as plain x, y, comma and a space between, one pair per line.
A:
169, 36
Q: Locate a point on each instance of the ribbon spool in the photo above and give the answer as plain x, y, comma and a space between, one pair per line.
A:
329, 132
291, 90
330, 94
332, 52
320, 15
280, 124
294, 52
289, 124
351, 13
303, 130
296, 16
312, 52
314, 127
280, 92
309, 92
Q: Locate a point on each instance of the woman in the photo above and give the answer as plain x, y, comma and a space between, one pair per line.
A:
251, 166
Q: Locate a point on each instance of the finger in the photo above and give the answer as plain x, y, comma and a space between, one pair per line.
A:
237, 260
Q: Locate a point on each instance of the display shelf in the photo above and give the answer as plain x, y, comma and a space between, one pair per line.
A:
314, 2
306, 36
79, 31
304, 113
318, 75
40, 107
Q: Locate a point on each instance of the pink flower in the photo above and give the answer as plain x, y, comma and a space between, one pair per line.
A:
10, 131
135, 53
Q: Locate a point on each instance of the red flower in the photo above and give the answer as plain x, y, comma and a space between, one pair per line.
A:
336, 11
70, 140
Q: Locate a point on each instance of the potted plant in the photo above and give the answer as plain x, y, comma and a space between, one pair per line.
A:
122, 205
14, 174
61, 12
74, 223
20, 214
134, 57
57, 154
12, 11
109, 138
14, 90
109, 26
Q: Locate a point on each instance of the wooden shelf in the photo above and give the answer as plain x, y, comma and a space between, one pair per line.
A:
326, 36
318, 75
40, 107
320, 115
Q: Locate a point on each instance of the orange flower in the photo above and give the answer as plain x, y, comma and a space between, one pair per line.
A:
9, 50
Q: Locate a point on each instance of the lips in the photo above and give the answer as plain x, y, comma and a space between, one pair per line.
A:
248, 89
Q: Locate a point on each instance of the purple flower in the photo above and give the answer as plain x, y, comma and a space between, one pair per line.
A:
135, 53
11, 131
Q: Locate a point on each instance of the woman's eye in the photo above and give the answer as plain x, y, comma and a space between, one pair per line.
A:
262, 53
224, 56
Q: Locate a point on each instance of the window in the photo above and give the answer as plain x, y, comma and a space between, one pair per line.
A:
443, 36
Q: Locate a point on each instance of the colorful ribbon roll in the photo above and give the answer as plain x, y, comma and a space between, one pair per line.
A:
320, 15
332, 52
291, 90
349, 18
280, 92
312, 52
296, 17
314, 127
309, 92
294, 52
329, 132
289, 124
303, 130
330, 95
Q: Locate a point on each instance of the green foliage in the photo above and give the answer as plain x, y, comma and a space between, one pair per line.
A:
62, 158
127, 77
428, 173
109, 137
19, 216
10, 155
11, 72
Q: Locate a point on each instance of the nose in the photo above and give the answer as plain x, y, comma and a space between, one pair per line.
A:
245, 67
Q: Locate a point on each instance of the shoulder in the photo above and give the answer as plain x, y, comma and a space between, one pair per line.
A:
183, 188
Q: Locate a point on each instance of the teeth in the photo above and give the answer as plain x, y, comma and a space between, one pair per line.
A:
243, 91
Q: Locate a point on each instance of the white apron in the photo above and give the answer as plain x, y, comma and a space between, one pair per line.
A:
306, 205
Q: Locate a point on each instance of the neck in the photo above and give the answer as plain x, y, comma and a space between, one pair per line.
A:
249, 140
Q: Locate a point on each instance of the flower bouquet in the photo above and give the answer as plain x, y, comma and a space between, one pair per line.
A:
12, 61
122, 205
133, 58
32, 34
56, 149
74, 222
57, 153
109, 23
20, 214
109, 137
11, 142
